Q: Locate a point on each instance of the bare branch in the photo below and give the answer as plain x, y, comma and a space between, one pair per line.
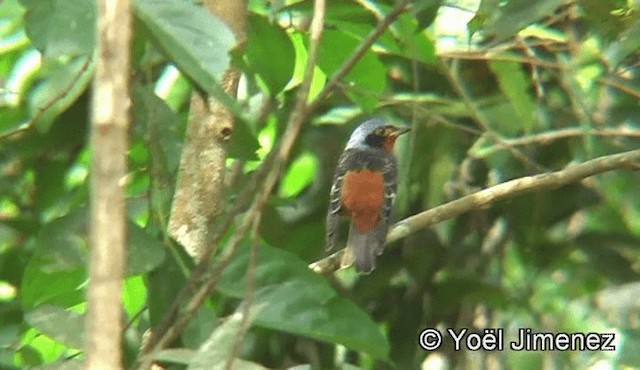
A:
110, 113
487, 197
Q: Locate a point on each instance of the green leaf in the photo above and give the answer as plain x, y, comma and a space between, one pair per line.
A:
425, 12
505, 20
214, 352
57, 267
367, 79
338, 115
164, 283
625, 46
243, 143
337, 11
299, 175
270, 53
516, 85
59, 91
200, 327
144, 252
11, 9
62, 325
300, 302
198, 42
161, 126
414, 44
61, 27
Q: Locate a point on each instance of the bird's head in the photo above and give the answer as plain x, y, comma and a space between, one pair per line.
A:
375, 133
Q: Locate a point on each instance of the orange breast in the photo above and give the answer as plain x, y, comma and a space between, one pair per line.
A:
362, 197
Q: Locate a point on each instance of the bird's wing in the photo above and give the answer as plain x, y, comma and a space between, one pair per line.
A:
390, 175
335, 204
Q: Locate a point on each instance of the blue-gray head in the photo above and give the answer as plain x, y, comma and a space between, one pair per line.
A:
375, 133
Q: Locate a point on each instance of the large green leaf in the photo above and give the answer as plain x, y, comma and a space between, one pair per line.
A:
61, 27
144, 252
161, 129
270, 53
57, 267
366, 80
299, 301
215, 351
412, 42
165, 282
60, 324
243, 143
198, 42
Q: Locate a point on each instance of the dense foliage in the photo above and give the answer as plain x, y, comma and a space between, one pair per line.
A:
494, 90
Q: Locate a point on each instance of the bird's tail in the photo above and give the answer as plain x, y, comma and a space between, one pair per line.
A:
362, 250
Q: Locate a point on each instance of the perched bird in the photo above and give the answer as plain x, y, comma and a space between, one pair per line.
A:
364, 189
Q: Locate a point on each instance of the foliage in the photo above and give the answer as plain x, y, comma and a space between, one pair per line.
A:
494, 90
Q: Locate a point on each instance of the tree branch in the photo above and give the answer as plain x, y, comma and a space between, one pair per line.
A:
110, 116
487, 197
549, 136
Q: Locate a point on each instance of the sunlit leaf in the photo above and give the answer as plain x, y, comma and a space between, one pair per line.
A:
299, 175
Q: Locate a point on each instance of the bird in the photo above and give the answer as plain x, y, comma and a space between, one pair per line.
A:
364, 189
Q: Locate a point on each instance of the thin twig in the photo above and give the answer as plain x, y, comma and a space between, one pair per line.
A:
364, 46
549, 136
485, 56
620, 86
489, 196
